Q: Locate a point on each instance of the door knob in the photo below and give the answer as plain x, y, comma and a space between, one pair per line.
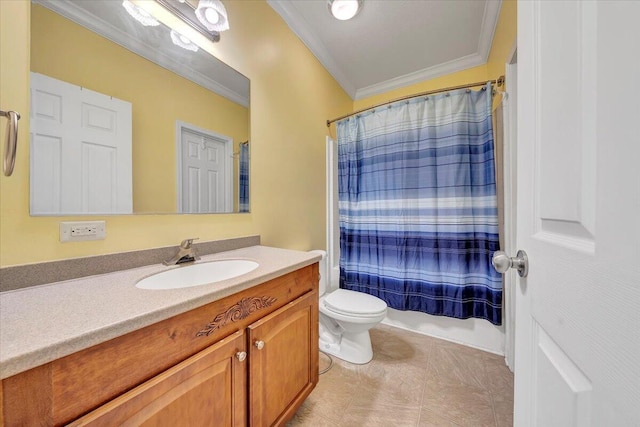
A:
241, 355
501, 262
259, 344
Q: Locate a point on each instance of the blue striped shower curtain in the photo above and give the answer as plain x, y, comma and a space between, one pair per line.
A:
243, 202
418, 208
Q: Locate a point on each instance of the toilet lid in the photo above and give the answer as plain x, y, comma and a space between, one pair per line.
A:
348, 302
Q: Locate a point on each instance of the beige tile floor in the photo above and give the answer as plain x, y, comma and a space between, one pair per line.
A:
413, 380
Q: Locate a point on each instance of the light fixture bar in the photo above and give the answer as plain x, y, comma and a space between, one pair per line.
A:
186, 12
140, 15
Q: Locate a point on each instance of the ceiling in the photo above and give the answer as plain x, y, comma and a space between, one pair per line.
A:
394, 43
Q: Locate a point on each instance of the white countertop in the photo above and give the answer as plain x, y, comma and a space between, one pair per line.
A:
43, 323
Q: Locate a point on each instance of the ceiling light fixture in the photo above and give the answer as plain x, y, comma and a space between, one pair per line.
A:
182, 41
140, 15
213, 15
345, 9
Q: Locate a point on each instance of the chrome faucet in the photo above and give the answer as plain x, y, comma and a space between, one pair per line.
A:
186, 253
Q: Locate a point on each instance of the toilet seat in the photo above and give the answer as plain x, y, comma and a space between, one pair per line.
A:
351, 303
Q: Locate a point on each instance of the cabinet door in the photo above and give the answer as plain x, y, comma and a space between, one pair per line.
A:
208, 389
283, 361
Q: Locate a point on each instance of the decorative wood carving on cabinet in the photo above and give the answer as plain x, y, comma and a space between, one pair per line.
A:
63, 390
239, 311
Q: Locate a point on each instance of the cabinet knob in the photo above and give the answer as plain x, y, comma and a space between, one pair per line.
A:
259, 344
241, 355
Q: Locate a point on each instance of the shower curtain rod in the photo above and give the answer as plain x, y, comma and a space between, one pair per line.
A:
499, 82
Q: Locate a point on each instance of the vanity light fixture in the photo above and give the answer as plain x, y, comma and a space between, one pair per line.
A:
213, 15
182, 41
344, 9
188, 13
140, 15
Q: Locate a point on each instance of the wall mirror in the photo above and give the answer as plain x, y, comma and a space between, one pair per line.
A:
124, 120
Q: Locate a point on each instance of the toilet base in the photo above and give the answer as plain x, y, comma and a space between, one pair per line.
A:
352, 347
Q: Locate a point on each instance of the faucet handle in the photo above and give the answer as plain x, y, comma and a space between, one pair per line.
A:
186, 243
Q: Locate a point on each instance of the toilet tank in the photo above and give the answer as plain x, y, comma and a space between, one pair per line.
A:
323, 270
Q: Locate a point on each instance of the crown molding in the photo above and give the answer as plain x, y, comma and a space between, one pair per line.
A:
487, 32
488, 29
298, 25
439, 70
71, 11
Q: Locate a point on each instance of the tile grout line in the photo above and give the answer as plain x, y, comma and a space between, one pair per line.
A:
424, 386
493, 407
348, 407
485, 388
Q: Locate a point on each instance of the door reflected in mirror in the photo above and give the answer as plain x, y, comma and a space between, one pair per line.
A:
189, 132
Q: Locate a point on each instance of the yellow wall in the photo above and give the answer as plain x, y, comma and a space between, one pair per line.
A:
504, 39
67, 51
14, 90
291, 96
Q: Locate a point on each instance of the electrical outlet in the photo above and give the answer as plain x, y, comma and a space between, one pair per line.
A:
82, 231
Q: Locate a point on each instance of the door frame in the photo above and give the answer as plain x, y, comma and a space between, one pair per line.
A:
333, 217
510, 160
228, 156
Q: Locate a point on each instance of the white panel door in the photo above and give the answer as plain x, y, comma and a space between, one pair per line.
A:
577, 313
206, 172
81, 143
106, 145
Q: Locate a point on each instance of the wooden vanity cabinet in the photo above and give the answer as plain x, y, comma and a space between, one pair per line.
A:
283, 361
187, 370
208, 389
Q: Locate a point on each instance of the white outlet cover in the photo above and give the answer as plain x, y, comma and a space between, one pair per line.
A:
66, 226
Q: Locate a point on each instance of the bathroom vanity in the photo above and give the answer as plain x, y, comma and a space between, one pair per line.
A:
246, 354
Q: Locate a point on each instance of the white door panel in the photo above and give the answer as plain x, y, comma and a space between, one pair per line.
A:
99, 178
50, 135
46, 152
563, 399
577, 321
204, 170
193, 190
214, 193
81, 145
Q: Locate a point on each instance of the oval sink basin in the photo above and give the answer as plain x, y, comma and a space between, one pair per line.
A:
197, 274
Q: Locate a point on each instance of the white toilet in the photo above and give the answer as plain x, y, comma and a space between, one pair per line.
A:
345, 319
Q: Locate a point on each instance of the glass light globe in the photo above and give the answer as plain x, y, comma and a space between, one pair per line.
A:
212, 16
344, 9
183, 41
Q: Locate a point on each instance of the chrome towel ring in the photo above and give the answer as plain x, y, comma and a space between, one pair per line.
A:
11, 141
